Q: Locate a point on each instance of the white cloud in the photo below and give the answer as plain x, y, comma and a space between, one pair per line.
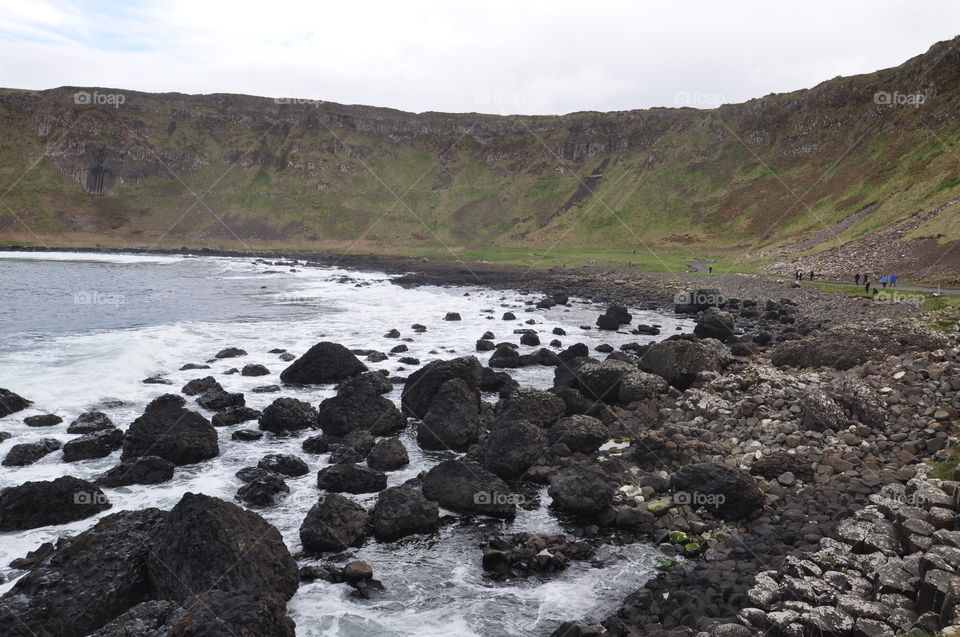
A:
492, 56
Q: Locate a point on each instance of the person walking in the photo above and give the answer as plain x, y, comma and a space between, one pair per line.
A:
883, 281
710, 269
893, 280
811, 275
856, 279
866, 284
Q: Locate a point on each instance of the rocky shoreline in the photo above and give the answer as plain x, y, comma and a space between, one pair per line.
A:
776, 457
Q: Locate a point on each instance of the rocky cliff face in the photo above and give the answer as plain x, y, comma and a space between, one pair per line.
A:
767, 170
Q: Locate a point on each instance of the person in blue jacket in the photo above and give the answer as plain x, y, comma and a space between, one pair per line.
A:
883, 281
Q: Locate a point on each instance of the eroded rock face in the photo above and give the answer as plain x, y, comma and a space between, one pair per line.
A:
423, 384
388, 454
89, 422
35, 504
86, 581
323, 363
170, 431
208, 543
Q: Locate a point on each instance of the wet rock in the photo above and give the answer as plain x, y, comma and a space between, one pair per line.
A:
265, 490
402, 511
316, 444
614, 317
246, 435
360, 407
512, 447
141, 470
168, 430
286, 415
581, 434
35, 504
219, 400
323, 363
423, 384
43, 420
499, 382
96, 445
334, 523
453, 420
727, 492
409, 360
580, 490
192, 366
230, 352
86, 582
254, 369
466, 487
679, 361
27, 453
485, 346
530, 339
11, 403
234, 416
505, 356
388, 454
452, 316
199, 386
266, 389
714, 323
284, 464
140, 620
531, 405
89, 422
351, 478
691, 302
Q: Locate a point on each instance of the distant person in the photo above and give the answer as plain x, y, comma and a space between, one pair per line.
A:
893, 280
856, 279
811, 275
883, 281
709, 269
866, 284
875, 292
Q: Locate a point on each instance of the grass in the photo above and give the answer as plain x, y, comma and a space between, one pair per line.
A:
945, 469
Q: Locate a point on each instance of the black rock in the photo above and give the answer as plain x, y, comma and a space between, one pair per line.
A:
453, 420
388, 454
360, 407
43, 420
536, 406
466, 487
512, 447
96, 445
402, 511
27, 453
254, 369
230, 352
334, 523
190, 366
168, 430
35, 504
246, 435
284, 464
351, 478
89, 422
11, 403
679, 361
452, 316
580, 490
714, 323
725, 491
316, 444
509, 316
424, 383
141, 470
399, 349
286, 415
266, 389
409, 360
581, 434
265, 490
219, 400
530, 339
234, 416
323, 363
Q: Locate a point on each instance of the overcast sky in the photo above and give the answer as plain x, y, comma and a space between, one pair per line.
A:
489, 56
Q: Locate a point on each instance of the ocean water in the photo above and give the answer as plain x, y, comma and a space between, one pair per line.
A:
81, 331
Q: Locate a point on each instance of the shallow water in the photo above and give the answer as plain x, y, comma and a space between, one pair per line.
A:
82, 331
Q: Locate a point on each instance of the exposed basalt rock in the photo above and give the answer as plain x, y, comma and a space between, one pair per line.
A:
531, 405
199, 386
168, 430
284, 464
454, 420
43, 420
512, 447
96, 445
11, 403
35, 504
728, 492
264, 490
679, 361
580, 434
524, 554
27, 453
402, 511
323, 363
359, 406
334, 523
715, 323
140, 470
580, 490
351, 478
234, 416
820, 412
466, 487
89, 422
388, 454
287, 415
423, 384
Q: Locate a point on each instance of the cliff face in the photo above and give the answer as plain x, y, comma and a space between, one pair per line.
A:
172, 169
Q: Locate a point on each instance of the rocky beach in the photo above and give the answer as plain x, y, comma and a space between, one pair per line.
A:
783, 453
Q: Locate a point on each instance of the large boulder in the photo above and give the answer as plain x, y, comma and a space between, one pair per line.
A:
168, 430
725, 491
35, 504
531, 405
89, 422
86, 581
714, 323
42, 420
582, 434
402, 511
454, 420
359, 406
234, 416
265, 490
334, 523
864, 403
323, 363
11, 403
199, 386
466, 487
512, 447
580, 490
207, 543
29, 452
287, 415
351, 478
96, 445
388, 454
423, 384
505, 356
680, 360
139, 470
614, 317
638, 386
691, 302
598, 380
820, 412
284, 464
220, 400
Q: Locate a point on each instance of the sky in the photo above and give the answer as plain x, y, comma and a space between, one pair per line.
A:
490, 56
